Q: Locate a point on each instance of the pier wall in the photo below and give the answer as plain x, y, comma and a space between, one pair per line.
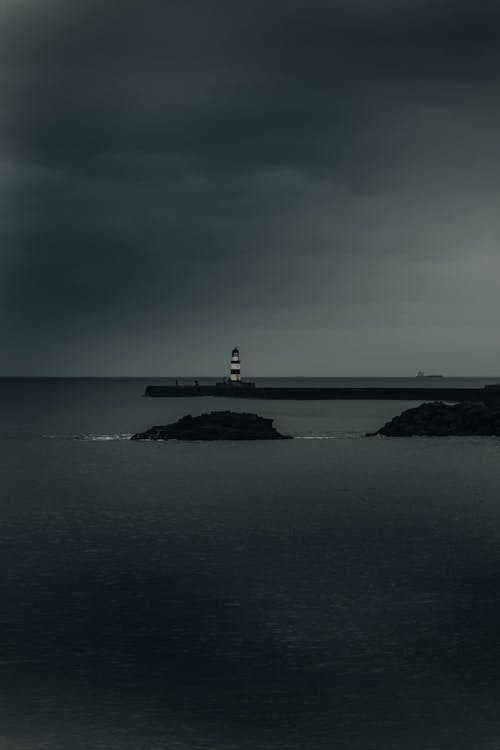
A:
320, 394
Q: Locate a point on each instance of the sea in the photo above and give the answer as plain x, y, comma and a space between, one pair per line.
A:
331, 592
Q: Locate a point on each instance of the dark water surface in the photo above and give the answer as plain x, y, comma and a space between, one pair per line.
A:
330, 592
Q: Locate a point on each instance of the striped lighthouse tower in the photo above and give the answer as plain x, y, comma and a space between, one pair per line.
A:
235, 366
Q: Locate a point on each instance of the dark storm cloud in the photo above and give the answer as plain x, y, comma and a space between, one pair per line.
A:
246, 170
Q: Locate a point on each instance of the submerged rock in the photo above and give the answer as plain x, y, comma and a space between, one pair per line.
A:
440, 419
218, 425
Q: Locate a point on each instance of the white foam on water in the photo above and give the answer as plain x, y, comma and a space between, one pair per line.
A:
328, 437
96, 437
92, 437
115, 436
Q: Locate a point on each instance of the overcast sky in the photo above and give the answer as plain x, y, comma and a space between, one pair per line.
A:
315, 181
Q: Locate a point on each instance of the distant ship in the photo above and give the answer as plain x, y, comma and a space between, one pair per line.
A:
421, 374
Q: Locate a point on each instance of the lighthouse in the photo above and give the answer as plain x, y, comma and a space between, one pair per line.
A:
235, 379
235, 366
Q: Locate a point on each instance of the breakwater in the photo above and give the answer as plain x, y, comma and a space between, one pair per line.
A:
320, 394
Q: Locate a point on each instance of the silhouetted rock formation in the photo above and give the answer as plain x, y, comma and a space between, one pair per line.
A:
218, 425
441, 419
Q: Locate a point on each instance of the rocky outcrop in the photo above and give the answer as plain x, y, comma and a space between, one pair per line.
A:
440, 419
218, 425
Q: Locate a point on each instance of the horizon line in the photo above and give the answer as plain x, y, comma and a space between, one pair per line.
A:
191, 377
